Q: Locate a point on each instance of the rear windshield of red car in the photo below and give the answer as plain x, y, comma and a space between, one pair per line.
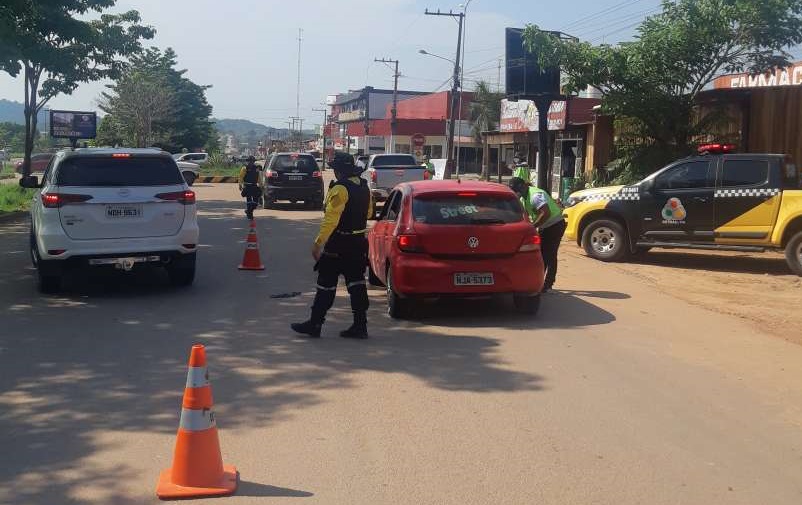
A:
396, 161
104, 171
467, 209
293, 163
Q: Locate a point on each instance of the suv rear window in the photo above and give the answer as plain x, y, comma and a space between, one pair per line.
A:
111, 172
395, 161
288, 163
738, 173
461, 210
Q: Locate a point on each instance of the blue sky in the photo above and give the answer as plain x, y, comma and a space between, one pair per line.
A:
247, 49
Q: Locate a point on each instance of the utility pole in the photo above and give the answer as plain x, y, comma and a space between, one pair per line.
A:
300, 134
292, 132
298, 89
323, 133
455, 86
394, 111
498, 86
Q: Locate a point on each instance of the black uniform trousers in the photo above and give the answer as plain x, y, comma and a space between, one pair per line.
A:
345, 255
550, 239
252, 194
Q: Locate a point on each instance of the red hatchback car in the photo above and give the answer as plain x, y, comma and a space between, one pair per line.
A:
438, 239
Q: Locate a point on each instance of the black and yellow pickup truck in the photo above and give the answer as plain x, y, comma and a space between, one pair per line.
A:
714, 201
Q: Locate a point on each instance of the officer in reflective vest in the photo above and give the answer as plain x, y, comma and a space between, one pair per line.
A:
341, 248
521, 169
547, 216
250, 184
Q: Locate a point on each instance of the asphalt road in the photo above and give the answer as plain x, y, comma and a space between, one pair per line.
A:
617, 393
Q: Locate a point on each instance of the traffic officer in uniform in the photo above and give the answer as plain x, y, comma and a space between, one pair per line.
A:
547, 217
521, 170
341, 248
250, 185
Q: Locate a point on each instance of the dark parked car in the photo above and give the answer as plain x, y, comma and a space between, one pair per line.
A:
294, 177
38, 163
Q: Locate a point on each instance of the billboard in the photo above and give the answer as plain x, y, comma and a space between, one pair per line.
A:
66, 124
525, 78
522, 116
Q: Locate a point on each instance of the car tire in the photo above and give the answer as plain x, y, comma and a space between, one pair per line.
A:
793, 253
373, 279
527, 304
182, 270
605, 240
269, 202
48, 280
397, 307
189, 177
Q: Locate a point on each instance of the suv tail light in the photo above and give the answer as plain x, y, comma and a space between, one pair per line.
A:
57, 200
409, 244
530, 244
183, 197
316, 174
271, 174
373, 176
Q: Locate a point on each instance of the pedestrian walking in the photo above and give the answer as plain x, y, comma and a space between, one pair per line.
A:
341, 248
547, 217
250, 185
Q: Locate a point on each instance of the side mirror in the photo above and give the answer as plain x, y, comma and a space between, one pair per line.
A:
30, 181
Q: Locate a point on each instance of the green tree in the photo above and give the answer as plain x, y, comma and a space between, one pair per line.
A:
656, 79
485, 112
188, 124
55, 47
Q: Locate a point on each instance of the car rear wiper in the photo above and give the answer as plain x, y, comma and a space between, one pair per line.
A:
486, 220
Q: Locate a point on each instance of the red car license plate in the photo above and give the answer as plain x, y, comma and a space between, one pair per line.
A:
474, 279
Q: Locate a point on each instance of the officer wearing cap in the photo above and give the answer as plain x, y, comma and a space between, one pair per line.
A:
547, 217
250, 185
341, 248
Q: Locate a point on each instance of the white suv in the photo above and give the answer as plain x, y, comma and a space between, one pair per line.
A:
112, 208
197, 158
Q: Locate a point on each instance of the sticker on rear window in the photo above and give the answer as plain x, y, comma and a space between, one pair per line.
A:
462, 210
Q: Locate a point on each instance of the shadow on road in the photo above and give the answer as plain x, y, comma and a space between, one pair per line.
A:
260, 490
752, 264
88, 364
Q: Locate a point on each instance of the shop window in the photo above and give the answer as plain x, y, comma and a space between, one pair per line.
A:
433, 152
402, 149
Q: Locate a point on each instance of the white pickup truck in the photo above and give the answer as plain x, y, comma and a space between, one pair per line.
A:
386, 171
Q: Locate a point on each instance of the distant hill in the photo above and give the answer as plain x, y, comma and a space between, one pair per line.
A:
242, 128
14, 112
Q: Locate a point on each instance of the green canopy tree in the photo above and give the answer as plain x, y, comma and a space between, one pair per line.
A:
485, 111
55, 48
183, 122
656, 79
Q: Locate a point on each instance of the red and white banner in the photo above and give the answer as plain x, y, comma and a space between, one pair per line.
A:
522, 116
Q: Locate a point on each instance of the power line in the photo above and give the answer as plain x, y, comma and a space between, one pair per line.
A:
594, 16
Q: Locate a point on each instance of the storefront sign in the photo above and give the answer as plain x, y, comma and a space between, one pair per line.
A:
791, 76
522, 116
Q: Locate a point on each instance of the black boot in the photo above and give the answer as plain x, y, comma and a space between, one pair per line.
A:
358, 330
308, 329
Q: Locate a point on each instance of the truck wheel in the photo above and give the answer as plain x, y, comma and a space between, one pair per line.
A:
793, 253
189, 177
605, 240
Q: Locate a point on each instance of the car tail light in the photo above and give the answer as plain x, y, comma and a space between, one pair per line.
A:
316, 174
271, 174
530, 244
467, 195
57, 200
121, 155
426, 175
409, 244
373, 176
183, 197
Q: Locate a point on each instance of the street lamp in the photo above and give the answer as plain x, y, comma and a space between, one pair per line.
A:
427, 53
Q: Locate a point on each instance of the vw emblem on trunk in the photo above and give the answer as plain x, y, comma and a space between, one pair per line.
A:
473, 242
125, 192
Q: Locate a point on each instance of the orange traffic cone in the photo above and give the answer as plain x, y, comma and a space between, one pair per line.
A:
197, 469
251, 260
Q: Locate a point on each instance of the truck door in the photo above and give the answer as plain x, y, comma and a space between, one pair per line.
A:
679, 207
748, 198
